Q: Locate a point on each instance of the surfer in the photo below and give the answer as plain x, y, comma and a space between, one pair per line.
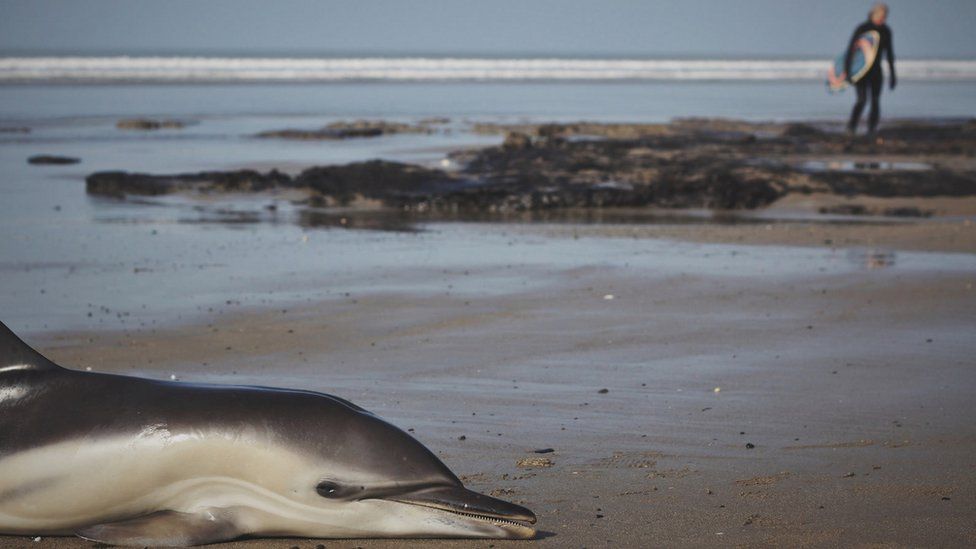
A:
874, 79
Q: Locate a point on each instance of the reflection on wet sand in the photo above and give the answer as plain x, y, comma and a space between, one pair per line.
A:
872, 258
242, 210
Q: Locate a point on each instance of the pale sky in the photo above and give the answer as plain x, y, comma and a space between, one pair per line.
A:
602, 28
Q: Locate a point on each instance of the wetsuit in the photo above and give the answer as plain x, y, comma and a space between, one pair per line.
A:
874, 78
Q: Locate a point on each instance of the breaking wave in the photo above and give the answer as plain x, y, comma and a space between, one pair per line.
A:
228, 69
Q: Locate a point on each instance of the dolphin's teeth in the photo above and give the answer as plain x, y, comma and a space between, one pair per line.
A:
485, 517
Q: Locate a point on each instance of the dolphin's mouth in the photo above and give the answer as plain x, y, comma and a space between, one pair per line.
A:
457, 500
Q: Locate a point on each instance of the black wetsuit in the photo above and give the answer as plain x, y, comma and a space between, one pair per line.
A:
874, 79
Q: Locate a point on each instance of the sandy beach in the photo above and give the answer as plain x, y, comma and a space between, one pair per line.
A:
703, 333
806, 407
652, 274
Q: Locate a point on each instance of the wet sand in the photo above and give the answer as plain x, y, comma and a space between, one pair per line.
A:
776, 377
814, 407
939, 235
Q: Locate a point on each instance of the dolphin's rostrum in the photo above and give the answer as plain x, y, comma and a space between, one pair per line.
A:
130, 461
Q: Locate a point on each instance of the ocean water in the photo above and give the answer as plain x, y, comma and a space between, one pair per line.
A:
68, 260
29, 104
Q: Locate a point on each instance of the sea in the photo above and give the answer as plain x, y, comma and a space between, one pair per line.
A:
543, 88
69, 261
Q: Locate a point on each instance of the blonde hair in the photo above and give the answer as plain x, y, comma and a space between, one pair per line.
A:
878, 6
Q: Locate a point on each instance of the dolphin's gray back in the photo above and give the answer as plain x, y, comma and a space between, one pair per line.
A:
61, 404
56, 404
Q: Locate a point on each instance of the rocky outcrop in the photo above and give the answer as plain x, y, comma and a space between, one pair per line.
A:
393, 183
55, 160
146, 124
121, 184
901, 183
348, 130
688, 164
516, 141
318, 135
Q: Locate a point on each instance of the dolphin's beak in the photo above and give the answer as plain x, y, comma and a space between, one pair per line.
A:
460, 500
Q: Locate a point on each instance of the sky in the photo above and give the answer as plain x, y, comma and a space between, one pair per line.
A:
564, 28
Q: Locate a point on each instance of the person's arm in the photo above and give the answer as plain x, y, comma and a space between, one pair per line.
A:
891, 61
850, 52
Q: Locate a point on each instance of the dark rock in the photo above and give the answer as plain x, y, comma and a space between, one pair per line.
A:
894, 183
348, 130
907, 211
844, 209
52, 159
394, 183
544, 451
322, 134
434, 121
517, 141
148, 124
120, 184
805, 131
750, 445
603, 391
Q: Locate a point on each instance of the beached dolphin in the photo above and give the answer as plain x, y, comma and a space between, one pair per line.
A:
130, 461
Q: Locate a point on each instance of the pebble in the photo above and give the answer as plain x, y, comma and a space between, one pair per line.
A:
608, 297
750, 445
534, 462
603, 391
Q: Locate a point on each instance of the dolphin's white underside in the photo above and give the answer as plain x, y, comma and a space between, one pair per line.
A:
261, 486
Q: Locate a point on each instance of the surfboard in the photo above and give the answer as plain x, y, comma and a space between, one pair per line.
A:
863, 52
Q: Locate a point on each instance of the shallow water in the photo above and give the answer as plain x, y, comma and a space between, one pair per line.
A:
71, 272
560, 101
68, 260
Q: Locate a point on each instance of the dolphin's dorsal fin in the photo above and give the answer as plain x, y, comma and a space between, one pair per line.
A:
17, 355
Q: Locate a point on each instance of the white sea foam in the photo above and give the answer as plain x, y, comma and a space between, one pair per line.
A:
223, 69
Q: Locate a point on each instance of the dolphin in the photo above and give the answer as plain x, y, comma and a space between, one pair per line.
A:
129, 461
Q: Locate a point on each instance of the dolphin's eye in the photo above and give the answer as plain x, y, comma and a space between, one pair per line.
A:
329, 489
